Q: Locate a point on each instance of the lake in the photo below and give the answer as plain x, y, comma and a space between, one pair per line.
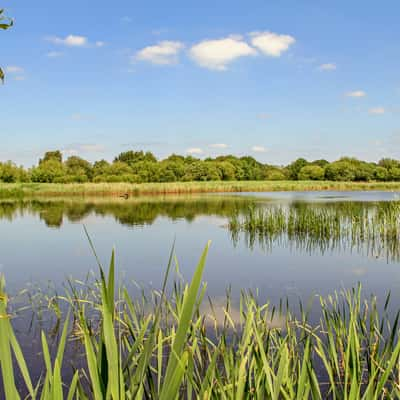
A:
44, 244
44, 241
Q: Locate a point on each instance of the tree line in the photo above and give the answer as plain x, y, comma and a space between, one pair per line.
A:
141, 167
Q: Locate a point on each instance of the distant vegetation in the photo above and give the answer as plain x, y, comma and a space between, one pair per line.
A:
141, 167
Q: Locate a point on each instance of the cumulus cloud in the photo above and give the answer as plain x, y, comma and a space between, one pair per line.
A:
271, 44
163, 53
356, 93
99, 43
70, 40
194, 150
14, 69
327, 67
258, 149
376, 111
217, 54
219, 145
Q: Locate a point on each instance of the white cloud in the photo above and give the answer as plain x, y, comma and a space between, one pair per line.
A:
78, 148
263, 115
14, 69
327, 67
54, 54
194, 150
163, 53
259, 149
219, 145
70, 40
376, 111
217, 54
271, 44
99, 43
356, 93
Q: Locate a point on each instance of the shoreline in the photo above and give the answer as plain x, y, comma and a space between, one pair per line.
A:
29, 190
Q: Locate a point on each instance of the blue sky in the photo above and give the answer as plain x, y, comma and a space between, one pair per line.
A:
273, 79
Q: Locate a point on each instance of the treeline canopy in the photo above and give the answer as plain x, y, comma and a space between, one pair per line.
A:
139, 167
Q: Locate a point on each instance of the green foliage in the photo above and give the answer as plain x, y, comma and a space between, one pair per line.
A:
170, 345
140, 167
79, 169
5, 23
10, 173
340, 171
131, 157
311, 172
295, 167
55, 155
49, 171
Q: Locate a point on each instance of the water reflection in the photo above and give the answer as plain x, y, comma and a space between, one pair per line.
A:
372, 228
369, 227
132, 212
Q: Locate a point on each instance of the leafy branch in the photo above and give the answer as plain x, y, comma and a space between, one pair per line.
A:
5, 23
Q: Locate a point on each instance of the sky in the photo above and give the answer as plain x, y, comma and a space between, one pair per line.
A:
273, 79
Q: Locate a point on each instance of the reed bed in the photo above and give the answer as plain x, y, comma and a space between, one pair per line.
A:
20, 190
370, 227
168, 345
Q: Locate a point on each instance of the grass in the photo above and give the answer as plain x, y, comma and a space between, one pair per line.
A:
373, 227
18, 190
168, 346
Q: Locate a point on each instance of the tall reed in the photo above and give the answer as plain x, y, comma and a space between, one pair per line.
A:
172, 345
370, 227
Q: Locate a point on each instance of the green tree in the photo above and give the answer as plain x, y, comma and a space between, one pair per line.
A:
394, 174
55, 155
50, 171
80, 169
226, 170
131, 157
321, 163
274, 174
381, 173
389, 163
295, 167
10, 173
100, 167
311, 172
340, 171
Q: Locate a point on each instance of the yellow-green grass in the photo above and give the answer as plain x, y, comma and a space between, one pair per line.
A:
10, 190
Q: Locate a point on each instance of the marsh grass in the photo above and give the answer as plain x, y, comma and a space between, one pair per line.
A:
21, 190
370, 227
166, 345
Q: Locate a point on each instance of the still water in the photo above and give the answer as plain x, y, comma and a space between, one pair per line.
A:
44, 241
43, 244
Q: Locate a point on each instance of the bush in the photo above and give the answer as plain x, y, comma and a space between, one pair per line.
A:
340, 171
311, 172
48, 171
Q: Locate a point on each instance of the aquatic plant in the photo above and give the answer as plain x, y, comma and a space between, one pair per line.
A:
169, 345
370, 227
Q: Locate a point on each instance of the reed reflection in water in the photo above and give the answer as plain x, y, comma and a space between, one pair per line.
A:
370, 228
